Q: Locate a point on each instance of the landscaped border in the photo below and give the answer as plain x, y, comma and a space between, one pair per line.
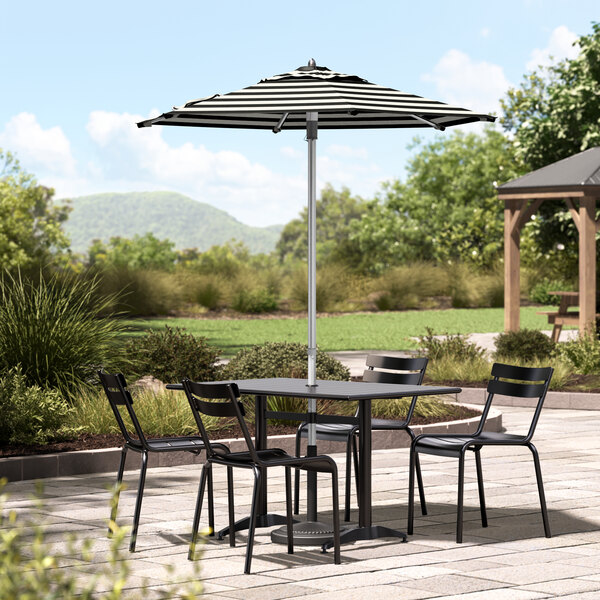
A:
106, 460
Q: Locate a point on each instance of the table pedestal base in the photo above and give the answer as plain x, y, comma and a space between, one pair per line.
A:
306, 533
358, 534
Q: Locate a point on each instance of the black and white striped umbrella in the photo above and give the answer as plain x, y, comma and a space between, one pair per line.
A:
342, 102
313, 98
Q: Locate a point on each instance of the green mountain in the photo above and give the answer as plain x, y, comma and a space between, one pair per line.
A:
186, 222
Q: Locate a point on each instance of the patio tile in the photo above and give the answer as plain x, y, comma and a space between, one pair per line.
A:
459, 583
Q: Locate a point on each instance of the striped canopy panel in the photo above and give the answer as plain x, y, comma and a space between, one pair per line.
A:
341, 101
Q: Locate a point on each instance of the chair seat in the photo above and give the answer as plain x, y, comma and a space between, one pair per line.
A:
388, 424
451, 445
331, 432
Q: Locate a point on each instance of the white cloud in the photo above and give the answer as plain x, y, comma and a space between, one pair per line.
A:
485, 32
143, 159
560, 46
37, 148
462, 81
291, 152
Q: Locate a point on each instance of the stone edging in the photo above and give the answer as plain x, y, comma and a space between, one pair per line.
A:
20, 468
564, 400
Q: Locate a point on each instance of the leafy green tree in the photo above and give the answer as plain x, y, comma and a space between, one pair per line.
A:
556, 111
447, 210
140, 252
553, 115
335, 211
30, 224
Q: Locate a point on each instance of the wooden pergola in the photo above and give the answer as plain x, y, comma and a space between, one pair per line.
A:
576, 180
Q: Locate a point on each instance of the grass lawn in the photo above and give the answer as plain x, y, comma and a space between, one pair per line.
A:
372, 331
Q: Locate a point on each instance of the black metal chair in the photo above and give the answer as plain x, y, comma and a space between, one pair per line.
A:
256, 460
405, 371
119, 396
525, 383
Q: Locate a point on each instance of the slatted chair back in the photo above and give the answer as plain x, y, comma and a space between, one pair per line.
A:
407, 371
229, 407
524, 382
119, 396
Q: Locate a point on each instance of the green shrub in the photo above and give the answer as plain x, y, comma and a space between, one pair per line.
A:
31, 414
470, 289
160, 414
172, 355
332, 287
448, 368
407, 286
524, 345
455, 347
141, 292
539, 291
283, 359
206, 290
255, 301
583, 354
57, 330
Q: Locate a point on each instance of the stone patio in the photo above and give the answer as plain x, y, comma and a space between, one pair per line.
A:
509, 560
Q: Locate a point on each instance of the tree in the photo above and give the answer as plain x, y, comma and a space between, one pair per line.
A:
556, 111
448, 208
335, 211
553, 115
30, 224
140, 252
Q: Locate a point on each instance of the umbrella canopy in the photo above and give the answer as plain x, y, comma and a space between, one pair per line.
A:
310, 98
342, 102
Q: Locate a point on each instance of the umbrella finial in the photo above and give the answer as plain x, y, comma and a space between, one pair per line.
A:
312, 63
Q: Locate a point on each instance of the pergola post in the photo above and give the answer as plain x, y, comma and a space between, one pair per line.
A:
512, 264
587, 264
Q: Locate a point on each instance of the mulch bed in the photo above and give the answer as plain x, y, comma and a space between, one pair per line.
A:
89, 441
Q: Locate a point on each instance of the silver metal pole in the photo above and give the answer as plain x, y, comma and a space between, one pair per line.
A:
311, 136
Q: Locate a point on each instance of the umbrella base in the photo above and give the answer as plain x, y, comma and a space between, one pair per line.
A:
306, 533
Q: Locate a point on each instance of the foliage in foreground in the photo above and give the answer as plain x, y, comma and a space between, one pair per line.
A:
456, 347
31, 568
57, 330
31, 414
171, 355
582, 354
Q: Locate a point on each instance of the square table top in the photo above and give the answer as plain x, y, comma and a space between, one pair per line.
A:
336, 390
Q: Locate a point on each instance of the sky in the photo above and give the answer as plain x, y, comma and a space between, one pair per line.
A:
75, 77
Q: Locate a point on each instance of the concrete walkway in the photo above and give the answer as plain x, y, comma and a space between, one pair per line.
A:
509, 560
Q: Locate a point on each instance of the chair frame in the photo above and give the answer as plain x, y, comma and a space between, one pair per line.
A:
256, 460
413, 373
118, 395
456, 445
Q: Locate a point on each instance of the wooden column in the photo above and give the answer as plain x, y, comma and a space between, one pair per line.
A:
512, 264
587, 264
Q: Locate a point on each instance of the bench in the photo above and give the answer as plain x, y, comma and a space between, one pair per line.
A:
562, 316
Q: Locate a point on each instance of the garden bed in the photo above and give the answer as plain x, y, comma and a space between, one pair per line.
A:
89, 441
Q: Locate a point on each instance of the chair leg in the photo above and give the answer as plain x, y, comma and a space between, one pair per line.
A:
201, 486
336, 519
420, 485
231, 507
411, 490
356, 466
288, 510
115, 498
484, 521
297, 477
138, 502
459, 504
349, 456
252, 524
211, 504
540, 484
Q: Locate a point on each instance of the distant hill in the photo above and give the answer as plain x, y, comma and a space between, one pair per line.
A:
186, 222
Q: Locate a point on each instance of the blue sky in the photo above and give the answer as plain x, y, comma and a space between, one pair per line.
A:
76, 76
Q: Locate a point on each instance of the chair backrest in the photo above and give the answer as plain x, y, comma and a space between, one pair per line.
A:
524, 382
118, 396
398, 369
229, 407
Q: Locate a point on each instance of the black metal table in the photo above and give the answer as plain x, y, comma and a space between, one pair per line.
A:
364, 393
